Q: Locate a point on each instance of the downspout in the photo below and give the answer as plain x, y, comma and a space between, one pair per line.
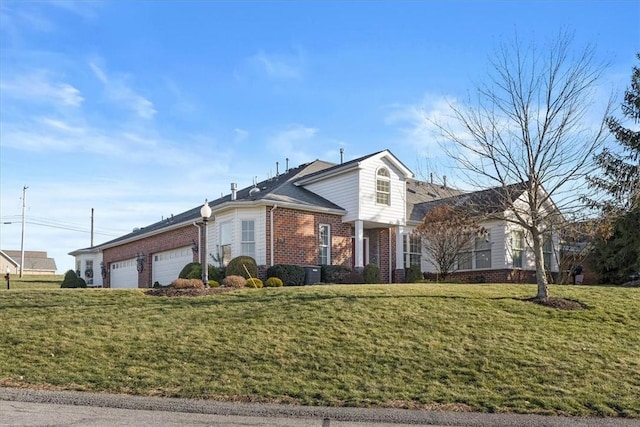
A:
271, 231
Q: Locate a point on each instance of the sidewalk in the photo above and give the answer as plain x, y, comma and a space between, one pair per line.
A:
22, 407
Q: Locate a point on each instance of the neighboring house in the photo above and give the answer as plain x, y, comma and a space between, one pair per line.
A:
35, 262
503, 251
8, 264
353, 213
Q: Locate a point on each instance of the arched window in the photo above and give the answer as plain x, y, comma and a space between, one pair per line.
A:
383, 187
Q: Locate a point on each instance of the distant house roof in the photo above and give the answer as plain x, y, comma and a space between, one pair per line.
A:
491, 201
33, 260
420, 195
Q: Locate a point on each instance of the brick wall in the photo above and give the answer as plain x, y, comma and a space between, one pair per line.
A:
494, 276
295, 240
173, 239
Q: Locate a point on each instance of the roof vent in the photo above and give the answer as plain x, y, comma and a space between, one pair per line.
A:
255, 188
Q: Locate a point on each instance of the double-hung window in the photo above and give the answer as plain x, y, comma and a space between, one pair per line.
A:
249, 238
412, 250
517, 248
225, 242
483, 251
547, 251
383, 187
324, 241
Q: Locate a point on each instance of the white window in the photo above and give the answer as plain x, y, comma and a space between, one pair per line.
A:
547, 251
88, 272
412, 250
517, 248
383, 187
483, 251
249, 238
225, 242
463, 260
324, 237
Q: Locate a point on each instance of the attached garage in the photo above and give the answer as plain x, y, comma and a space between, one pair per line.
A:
168, 264
124, 274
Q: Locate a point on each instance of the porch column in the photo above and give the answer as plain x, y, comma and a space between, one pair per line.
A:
359, 237
399, 270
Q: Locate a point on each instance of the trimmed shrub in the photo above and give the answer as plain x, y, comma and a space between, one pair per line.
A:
71, 280
186, 273
234, 281
236, 267
371, 274
356, 277
291, 275
413, 274
214, 284
273, 282
254, 283
188, 284
82, 283
216, 273
339, 274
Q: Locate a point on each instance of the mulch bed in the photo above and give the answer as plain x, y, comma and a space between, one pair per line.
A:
189, 292
559, 303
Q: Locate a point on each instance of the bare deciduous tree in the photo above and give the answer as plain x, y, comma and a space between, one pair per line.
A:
445, 233
531, 123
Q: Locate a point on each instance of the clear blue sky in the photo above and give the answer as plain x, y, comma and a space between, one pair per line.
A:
141, 109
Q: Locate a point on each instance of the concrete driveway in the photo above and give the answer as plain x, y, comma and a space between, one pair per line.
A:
22, 407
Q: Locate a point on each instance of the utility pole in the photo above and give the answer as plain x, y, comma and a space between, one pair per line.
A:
91, 227
24, 203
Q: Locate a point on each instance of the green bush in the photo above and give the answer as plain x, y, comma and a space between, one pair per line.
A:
339, 274
71, 280
254, 283
193, 270
214, 284
185, 273
273, 282
82, 283
291, 275
236, 267
234, 281
413, 274
371, 273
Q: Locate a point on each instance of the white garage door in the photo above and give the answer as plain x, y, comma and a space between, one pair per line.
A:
124, 274
167, 265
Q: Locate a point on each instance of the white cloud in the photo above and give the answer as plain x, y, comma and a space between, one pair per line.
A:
241, 134
278, 66
419, 123
293, 143
39, 87
118, 90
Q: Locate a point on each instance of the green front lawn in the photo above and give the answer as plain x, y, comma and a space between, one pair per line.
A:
465, 347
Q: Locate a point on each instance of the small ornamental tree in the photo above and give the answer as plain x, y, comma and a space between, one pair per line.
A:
445, 233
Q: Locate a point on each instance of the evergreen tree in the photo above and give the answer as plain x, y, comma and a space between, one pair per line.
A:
621, 170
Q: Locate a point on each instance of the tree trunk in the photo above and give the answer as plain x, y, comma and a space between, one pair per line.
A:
541, 276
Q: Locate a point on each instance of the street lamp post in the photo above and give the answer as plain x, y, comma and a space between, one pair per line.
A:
205, 213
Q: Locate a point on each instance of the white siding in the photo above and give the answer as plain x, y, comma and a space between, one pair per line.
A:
395, 212
340, 190
96, 258
235, 217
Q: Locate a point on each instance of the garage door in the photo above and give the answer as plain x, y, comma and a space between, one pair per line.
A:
124, 274
167, 265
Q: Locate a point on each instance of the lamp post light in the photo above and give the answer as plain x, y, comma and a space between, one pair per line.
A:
205, 213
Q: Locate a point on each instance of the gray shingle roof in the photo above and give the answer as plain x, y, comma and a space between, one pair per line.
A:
485, 202
279, 189
33, 260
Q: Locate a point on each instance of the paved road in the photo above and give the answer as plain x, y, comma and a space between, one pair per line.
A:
19, 407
